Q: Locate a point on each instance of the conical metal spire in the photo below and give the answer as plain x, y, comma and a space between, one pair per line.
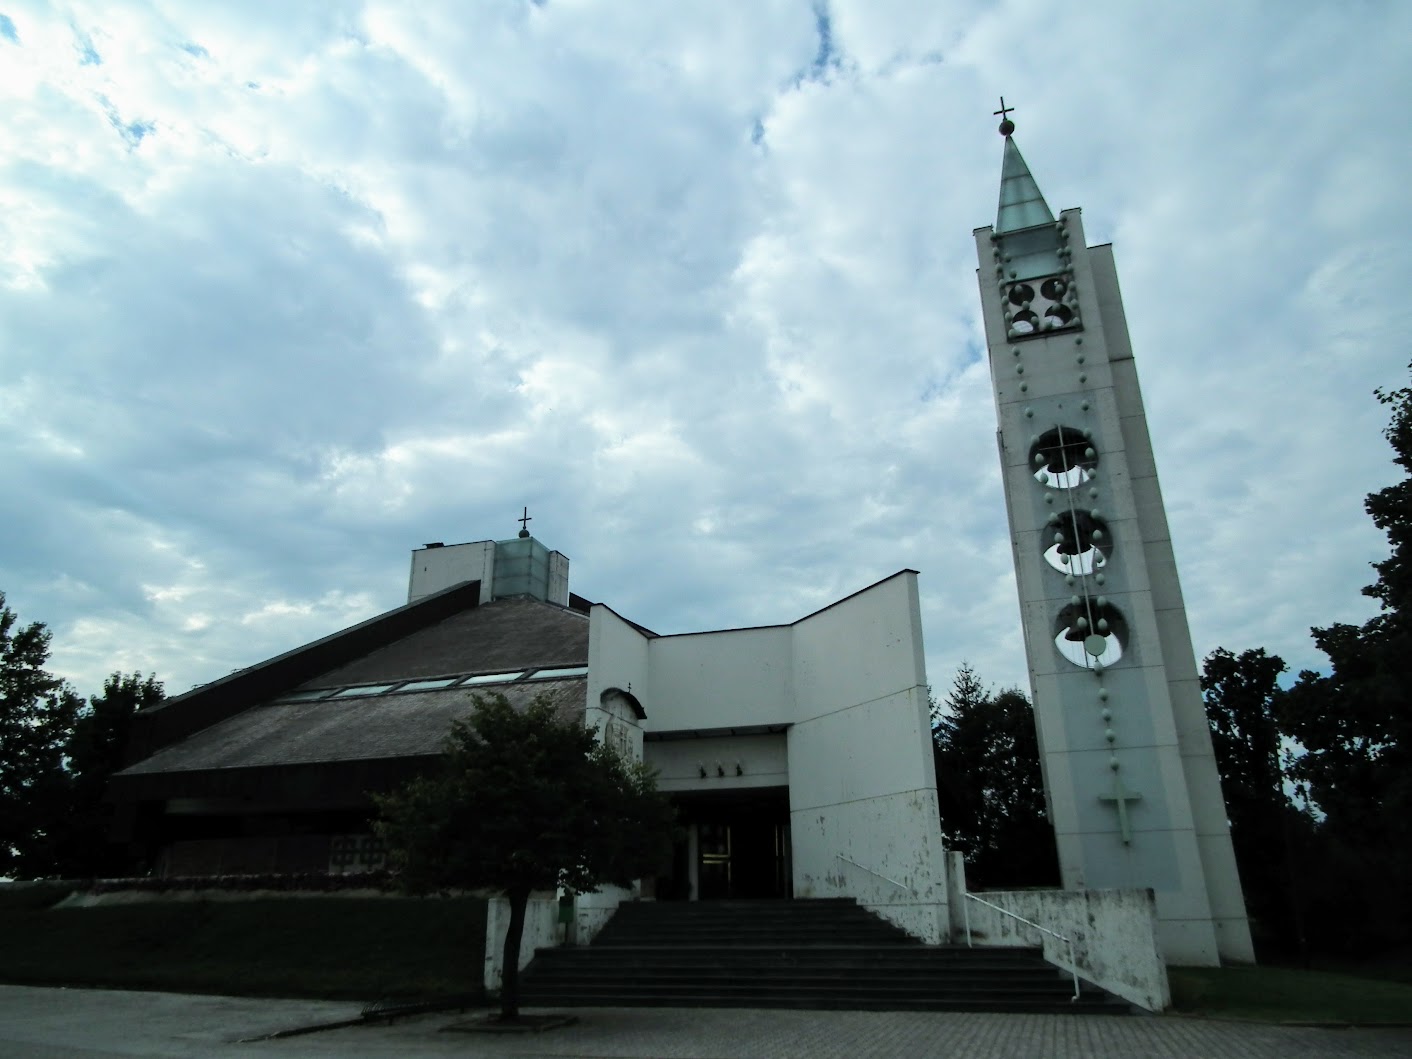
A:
1021, 204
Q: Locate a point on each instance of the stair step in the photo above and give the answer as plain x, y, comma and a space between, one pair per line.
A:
817, 957
798, 954
838, 991
1057, 1006
837, 983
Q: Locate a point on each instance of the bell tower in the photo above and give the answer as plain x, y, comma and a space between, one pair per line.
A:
1130, 777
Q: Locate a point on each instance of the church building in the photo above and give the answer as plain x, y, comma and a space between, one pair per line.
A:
799, 756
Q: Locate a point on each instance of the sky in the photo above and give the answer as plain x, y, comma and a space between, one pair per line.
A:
288, 289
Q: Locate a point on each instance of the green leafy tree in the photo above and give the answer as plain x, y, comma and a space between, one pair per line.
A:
526, 800
37, 712
1354, 724
1242, 697
989, 784
95, 751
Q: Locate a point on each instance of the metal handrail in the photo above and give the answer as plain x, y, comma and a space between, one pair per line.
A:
880, 875
965, 911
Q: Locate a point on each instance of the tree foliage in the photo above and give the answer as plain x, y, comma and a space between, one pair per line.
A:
1240, 693
1354, 725
525, 800
1348, 734
1268, 831
990, 786
95, 751
37, 711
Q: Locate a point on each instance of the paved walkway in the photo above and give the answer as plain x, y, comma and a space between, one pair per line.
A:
95, 1024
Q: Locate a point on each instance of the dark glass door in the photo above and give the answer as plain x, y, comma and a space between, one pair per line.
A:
714, 873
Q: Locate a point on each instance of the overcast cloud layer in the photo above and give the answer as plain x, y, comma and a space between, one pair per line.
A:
288, 289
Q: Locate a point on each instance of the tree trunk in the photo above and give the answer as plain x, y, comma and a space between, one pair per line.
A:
510, 976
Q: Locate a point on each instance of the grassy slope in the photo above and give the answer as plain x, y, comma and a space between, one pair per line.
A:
335, 948
1283, 994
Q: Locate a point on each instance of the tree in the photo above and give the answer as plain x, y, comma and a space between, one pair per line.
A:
95, 751
1354, 724
37, 711
989, 785
1242, 697
525, 800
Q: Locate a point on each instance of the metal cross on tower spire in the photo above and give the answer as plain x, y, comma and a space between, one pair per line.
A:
1006, 125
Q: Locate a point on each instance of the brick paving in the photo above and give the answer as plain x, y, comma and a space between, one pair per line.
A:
638, 1033
94, 1024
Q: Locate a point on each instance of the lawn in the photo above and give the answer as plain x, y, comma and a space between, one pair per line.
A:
1282, 994
327, 947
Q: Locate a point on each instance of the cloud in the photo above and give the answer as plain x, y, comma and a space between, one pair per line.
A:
290, 290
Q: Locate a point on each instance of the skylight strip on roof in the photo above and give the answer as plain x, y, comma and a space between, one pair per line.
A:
367, 689
494, 678
567, 671
427, 685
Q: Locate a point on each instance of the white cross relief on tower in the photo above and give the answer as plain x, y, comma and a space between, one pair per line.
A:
1120, 797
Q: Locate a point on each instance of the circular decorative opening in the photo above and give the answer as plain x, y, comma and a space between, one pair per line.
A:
1057, 316
1054, 288
1063, 458
1025, 322
1021, 294
1077, 543
1090, 634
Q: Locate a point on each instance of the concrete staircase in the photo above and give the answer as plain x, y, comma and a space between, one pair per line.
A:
792, 954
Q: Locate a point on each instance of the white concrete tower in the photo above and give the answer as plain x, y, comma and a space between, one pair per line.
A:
1131, 780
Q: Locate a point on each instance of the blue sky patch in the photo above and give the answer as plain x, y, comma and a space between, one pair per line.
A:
87, 53
131, 131
826, 56
7, 29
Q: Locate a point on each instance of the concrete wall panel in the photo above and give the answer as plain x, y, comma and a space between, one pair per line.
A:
870, 750
617, 658
722, 679
885, 852
436, 568
1153, 857
541, 930
1111, 936
835, 667
762, 758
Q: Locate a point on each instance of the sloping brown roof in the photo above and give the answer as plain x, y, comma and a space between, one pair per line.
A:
208, 704
443, 634
505, 635
413, 724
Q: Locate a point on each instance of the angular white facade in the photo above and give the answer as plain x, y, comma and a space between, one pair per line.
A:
824, 722
1129, 772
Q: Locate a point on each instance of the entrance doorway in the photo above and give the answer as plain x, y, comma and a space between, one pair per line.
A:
744, 858
735, 845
